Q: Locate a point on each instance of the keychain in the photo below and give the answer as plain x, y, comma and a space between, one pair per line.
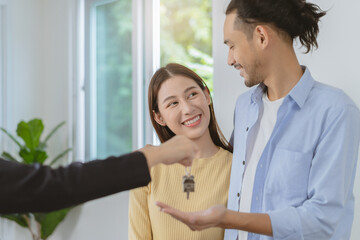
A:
188, 182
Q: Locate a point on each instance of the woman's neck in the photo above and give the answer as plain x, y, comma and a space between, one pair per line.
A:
206, 146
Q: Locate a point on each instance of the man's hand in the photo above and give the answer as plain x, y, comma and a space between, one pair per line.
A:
219, 216
196, 221
179, 149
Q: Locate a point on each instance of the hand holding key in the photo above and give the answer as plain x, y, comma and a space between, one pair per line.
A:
179, 149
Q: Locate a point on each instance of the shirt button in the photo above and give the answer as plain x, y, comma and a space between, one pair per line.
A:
257, 198
243, 162
247, 129
261, 165
238, 194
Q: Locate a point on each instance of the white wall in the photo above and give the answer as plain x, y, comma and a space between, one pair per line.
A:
41, 32
39, 64
336, 62
41, 38
27, 57
227, 82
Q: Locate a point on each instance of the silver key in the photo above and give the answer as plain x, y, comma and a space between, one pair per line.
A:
188, 184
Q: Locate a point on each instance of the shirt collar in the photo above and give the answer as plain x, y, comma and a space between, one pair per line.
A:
302, 89
299, 93
258, 92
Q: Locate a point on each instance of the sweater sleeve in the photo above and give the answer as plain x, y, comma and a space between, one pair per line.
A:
139, 220
37, 188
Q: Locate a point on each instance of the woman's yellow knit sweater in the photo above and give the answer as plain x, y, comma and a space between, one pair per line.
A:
212, 178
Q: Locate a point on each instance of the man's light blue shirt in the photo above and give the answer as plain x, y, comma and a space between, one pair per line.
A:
305, 177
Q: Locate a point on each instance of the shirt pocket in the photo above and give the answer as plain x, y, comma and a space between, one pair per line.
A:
288, 176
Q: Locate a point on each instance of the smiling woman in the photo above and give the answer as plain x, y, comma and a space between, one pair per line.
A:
161, 88
180, 104
183, 107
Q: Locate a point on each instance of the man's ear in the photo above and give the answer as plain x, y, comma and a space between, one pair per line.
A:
262, 36
158, 118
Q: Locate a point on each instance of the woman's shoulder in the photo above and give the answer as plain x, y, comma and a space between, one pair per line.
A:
223, 153
222, 156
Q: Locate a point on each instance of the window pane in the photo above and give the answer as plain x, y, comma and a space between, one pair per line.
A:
114, 78
186, 33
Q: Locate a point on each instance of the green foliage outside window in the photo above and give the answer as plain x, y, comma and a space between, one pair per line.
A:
114, 78
186, 35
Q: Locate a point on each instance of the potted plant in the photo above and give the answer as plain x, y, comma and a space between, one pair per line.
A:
40, 225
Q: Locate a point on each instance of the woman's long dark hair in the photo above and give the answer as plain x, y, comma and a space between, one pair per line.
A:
297, 18
163, 74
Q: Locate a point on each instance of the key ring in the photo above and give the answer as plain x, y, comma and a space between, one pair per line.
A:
188, 172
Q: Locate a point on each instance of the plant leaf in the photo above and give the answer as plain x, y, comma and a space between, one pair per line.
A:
26, 155
30, 132
60, 156
11, 136
49, 221
8, 157
40, 156
34, 156
18, 218
52, 132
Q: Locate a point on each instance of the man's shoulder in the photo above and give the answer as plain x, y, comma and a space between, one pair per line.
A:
329, 96
330, 103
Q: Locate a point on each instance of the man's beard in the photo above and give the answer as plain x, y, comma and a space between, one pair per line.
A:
254, 75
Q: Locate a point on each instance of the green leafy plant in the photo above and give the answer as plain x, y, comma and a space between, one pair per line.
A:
34, 151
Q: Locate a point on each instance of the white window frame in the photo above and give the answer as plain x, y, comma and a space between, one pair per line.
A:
90, 73
75, 81
142, 131
152, 57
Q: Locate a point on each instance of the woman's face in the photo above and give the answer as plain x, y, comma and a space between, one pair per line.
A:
183, 107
